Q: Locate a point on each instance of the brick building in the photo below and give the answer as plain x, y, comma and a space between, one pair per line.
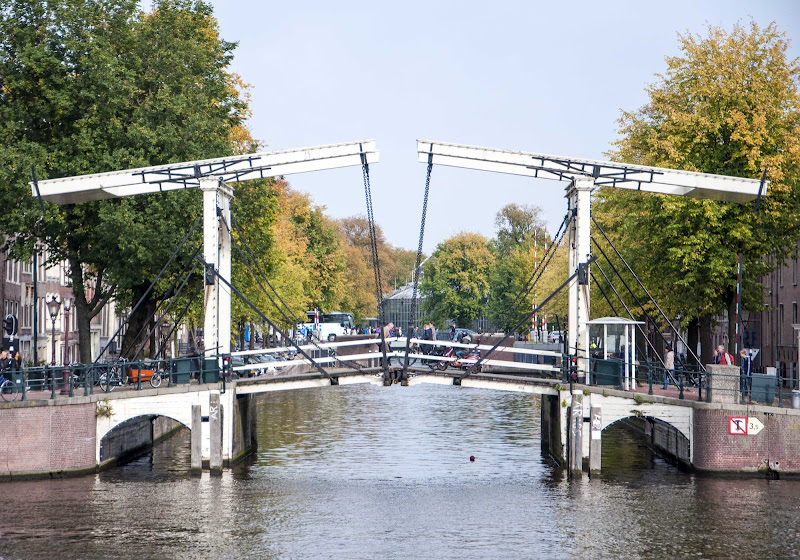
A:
17, 297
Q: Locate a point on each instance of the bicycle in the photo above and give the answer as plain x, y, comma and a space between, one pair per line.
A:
413, 353
112, 377
8, 389
157, 377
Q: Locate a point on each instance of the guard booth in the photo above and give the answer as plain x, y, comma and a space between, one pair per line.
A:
612, 352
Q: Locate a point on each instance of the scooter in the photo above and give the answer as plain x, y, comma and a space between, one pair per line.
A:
468, 360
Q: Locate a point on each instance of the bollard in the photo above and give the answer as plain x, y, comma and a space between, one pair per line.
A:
649, 379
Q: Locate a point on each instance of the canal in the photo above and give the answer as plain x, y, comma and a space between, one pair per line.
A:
373, 472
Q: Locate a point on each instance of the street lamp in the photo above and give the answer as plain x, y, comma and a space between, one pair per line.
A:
53, 306
65, 380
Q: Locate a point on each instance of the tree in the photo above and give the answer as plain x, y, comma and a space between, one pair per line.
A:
99, 86
516, 225
728, 104
512, 294
455, 280
520, 239
395, 263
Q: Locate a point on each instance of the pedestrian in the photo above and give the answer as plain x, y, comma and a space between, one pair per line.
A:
669, 366
725, 357
745, 372
5, 361
715, 357
427, 334
453, 332
17, 361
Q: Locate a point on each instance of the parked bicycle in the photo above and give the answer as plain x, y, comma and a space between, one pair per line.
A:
111, 376
8, 389
414, 353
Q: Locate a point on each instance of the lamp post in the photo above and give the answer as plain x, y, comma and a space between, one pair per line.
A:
65, 380
53, 307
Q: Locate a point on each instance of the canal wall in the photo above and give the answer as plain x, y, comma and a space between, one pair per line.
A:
40, 439
721, 438
244, 428
552, 421
58, 438
773, 451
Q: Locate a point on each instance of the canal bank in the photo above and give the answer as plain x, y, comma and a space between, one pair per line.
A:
75, 436
722, 438
365, 472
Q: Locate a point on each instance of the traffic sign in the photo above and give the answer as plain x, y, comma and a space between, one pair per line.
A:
737, 425
754, 426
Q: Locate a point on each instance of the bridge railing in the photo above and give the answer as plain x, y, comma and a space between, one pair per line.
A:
691, 382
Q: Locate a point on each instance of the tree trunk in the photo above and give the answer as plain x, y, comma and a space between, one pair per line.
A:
705, 339
691, 341
137, 333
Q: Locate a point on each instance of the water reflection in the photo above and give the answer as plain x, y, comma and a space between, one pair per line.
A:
373, 472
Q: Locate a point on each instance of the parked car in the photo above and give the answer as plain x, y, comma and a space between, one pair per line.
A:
556, 336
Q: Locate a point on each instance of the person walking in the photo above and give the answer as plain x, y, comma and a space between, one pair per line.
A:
669, 366
745, 372
725, 357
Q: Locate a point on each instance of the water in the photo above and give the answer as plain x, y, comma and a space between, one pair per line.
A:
385, 472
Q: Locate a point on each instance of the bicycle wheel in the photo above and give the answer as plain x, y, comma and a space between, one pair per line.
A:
155, 380
400, 360
8, 390
106, 382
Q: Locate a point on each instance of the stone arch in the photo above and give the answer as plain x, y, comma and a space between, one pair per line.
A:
664, 436
134, 435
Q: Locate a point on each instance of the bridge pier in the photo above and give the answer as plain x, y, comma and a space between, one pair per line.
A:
197, 439
595, 439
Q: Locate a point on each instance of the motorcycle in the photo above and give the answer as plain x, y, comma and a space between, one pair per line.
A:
469, 358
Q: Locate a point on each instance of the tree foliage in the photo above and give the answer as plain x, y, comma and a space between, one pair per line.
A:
728, 104
98, 86
395, 263
455, 281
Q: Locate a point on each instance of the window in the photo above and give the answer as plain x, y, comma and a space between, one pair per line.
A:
780, 325
794, 312
794, 272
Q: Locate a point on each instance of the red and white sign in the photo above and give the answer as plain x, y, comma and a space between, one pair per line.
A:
737, 425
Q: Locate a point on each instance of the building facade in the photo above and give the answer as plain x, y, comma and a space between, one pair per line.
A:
42, 340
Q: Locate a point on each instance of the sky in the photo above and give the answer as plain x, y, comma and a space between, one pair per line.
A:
543, 77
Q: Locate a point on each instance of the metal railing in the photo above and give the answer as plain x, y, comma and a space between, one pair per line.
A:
691, 382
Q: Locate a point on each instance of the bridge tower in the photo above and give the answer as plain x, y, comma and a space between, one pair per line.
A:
584, 177
213, 177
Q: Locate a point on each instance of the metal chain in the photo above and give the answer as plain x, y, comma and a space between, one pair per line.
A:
412, 316
373, 240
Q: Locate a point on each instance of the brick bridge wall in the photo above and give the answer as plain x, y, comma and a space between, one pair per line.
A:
775, 449
42, 439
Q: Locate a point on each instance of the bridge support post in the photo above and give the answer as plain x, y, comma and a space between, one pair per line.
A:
217, 253
576, 434
215, 433
197, 439
579, 195
595, 439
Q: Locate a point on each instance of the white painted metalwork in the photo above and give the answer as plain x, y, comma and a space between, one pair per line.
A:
211, 176
603, 173
172, 176
584, 176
